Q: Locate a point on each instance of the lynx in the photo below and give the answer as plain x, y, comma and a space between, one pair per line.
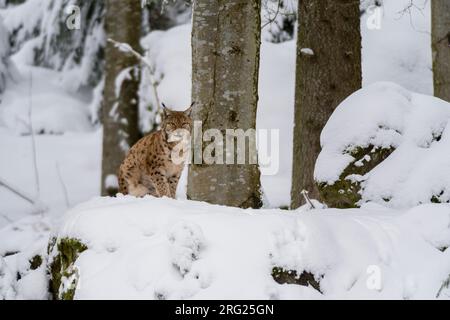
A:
148, 167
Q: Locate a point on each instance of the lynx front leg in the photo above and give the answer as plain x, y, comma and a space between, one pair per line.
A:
161, 184
147, 181
173, 183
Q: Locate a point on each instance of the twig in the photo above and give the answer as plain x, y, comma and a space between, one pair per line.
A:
4, 216
408, 9
445, 285
305, 195
125, 47
33, 140
64, 188
16, 191
271, 20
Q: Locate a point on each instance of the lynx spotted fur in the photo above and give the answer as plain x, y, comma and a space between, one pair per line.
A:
149, 168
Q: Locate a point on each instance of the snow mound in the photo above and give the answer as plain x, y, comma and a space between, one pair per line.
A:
22, 250
152, 248
390, 142
53, 110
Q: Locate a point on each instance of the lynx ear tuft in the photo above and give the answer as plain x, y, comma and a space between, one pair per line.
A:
188, 112
166, 111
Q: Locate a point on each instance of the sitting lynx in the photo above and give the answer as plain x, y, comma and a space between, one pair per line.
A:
148, 168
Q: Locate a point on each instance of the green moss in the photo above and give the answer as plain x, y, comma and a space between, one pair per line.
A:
306, 279
65, 252
439, 198
346, 193
435, 199
35, 262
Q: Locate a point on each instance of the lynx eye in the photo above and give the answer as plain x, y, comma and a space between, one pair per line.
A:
170, 126
186, 126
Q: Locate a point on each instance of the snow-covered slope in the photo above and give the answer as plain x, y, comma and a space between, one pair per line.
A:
53, 110
166, 249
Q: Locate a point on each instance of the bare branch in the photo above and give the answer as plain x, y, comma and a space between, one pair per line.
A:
126, 48
17, 192
64, 188
408, 10
271, 20
307, 199
4, 216
33, 140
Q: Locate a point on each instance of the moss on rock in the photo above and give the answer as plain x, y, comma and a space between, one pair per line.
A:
63, 274
283, 276
346, 191
35, 262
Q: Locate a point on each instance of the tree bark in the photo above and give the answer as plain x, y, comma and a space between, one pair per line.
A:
328, 70
225, 64
440, 33
120, 96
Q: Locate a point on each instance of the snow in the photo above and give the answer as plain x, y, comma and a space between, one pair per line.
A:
177, 249
78, 157
111, 181
43, 31
5, 63
400, 50
23, 19
161, 248
307, 51
170, 52
386, 115
20, 242
55, 110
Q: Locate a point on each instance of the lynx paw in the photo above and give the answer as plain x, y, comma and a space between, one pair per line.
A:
138, 191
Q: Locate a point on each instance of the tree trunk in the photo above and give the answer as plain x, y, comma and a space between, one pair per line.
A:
440, 32
120, 96
328, 70
225, 64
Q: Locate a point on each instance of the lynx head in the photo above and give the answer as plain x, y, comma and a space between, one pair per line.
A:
176, 125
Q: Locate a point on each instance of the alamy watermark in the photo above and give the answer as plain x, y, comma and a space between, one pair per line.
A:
73, 19
374, 17
227, 147
374, 280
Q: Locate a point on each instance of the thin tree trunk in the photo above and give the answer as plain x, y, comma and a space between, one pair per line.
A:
120, 96
328, 70
225, 65
440, 32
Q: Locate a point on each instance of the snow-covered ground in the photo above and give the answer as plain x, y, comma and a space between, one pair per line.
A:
340, 245
177, 249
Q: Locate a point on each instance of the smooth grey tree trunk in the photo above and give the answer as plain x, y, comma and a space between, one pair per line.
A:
331, 29
440, 33
120, 105
225, 64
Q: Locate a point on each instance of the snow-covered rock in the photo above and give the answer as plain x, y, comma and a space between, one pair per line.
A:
23, 273
152, 248
387, 145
